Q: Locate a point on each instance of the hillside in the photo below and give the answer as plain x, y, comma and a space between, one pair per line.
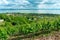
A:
21, 26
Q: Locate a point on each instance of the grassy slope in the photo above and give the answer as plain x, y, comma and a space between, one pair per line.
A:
19, 24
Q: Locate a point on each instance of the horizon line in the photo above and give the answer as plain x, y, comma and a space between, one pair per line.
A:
29, 9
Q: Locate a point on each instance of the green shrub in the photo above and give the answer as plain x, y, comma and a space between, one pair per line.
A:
14, 24
3, 33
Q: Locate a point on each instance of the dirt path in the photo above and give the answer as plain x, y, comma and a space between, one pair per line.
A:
52, 36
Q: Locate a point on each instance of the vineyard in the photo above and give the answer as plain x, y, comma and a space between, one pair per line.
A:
24, 24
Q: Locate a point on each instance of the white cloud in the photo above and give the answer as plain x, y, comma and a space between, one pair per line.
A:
13, 3
55, 5
3, 2
26, 4
43, 1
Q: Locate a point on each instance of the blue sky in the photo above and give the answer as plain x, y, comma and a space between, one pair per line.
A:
30, 4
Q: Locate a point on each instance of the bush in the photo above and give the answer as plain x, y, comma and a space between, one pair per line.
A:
3, 33
15, 24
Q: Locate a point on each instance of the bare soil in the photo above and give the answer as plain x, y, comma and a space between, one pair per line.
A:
51, 36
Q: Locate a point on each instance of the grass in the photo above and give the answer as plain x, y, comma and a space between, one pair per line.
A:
28, 24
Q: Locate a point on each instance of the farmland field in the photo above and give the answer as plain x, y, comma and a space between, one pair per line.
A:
27, 25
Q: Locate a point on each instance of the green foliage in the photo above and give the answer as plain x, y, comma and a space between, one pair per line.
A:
3, 33
24, 24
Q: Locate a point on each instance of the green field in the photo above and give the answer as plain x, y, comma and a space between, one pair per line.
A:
24, 24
